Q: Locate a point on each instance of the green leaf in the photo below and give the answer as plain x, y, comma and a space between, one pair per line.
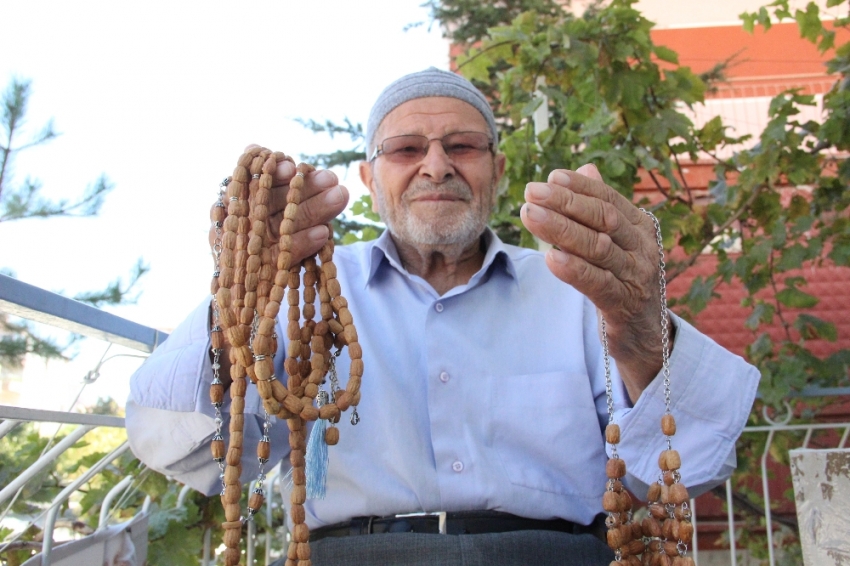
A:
794, 298
666, 54
762, 313
811, 328
809, 22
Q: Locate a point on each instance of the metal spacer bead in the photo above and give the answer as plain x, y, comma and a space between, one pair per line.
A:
272, 377
259, 357
300, 174
255, 176
219, 204
234, 199
216, 381
216, 273
225, 182
265, 438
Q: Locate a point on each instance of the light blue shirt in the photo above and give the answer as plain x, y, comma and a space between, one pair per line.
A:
491, 396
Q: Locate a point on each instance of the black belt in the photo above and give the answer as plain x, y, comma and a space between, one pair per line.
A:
459, 523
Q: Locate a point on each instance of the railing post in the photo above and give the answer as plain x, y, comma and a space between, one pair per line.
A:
730, 510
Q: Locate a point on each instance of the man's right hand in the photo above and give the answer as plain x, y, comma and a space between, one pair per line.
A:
323, 200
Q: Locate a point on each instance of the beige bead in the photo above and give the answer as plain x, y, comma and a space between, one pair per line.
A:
355, 351
611, 502
684, 532
298, 495
668, 425
232, 511
651, 527
297, 514
678, 494
231, 556
349, 334
334, 288
332, 436
612, 434
653, 493
238, 388
670, 460
300, 533
357, 367
615, 468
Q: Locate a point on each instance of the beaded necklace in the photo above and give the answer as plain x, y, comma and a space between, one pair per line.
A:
662, 538
252, 277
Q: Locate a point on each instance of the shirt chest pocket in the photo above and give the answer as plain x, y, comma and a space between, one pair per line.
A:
546, 431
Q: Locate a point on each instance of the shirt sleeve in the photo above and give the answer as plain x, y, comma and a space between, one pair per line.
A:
711, 394
169, 418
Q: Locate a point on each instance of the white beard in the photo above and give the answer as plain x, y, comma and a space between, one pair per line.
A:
452, 228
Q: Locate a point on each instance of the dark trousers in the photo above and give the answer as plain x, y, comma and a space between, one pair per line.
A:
518, 548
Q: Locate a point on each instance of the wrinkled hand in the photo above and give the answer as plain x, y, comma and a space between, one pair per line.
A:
607, 250
323, 200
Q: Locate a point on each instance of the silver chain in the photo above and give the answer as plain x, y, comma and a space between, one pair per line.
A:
665, 333
216, 352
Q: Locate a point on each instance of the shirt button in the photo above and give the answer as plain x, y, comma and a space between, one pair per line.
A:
444, 377
457, 466
438, 307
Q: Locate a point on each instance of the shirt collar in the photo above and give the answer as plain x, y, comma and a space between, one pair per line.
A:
497, 253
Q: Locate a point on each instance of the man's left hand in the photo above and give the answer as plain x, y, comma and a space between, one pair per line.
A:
606, 248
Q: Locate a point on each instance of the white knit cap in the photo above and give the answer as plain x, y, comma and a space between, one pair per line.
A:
423, 84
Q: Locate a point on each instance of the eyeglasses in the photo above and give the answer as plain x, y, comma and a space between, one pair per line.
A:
410, 148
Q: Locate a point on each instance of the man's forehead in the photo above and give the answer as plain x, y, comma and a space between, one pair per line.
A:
433, 114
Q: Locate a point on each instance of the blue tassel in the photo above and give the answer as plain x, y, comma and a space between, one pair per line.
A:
317, 461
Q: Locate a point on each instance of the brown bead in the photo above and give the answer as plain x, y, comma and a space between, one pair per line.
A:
332, 436
669, 478
344, 316
335, 326
236, 439
612, 434
670, 460
625, 500
234, 456
217, 393
356, 369
671, 548
298, 495
297, 442
636, 547
237, 422
232, 511
334, 288
611, 502
264, 369
238, 388
297, 514
668, 425
657, 510
311, 390
653, 493
232, 537
256, 501
349, 334
665, 494
237, 405
217, 449
231, 556
343, 401
684, 531
303, 551
329, 411
678, 494
355, 351
667, 528
615, 468
309, 413
651, 527
300, 533
271, 406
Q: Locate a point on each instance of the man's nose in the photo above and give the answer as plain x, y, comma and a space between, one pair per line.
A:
436, 164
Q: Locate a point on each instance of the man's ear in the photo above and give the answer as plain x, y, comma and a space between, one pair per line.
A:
368, 178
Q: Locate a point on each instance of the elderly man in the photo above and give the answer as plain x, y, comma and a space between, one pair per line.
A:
484, 394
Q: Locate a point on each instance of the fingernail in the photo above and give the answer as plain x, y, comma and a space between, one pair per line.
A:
538, 191
325, 177
534, 212
558, 256
559, 178
318, 233
334, 196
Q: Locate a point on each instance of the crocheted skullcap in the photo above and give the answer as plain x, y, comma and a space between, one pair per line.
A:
430, 82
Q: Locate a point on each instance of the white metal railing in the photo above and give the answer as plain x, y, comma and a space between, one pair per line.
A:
771, 430
30, 302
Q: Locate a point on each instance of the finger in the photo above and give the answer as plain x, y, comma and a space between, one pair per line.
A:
576, 239
596, 214
315, 182
321, 207
592, 185
599, 285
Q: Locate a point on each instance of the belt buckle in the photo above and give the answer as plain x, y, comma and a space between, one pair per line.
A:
441, 518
